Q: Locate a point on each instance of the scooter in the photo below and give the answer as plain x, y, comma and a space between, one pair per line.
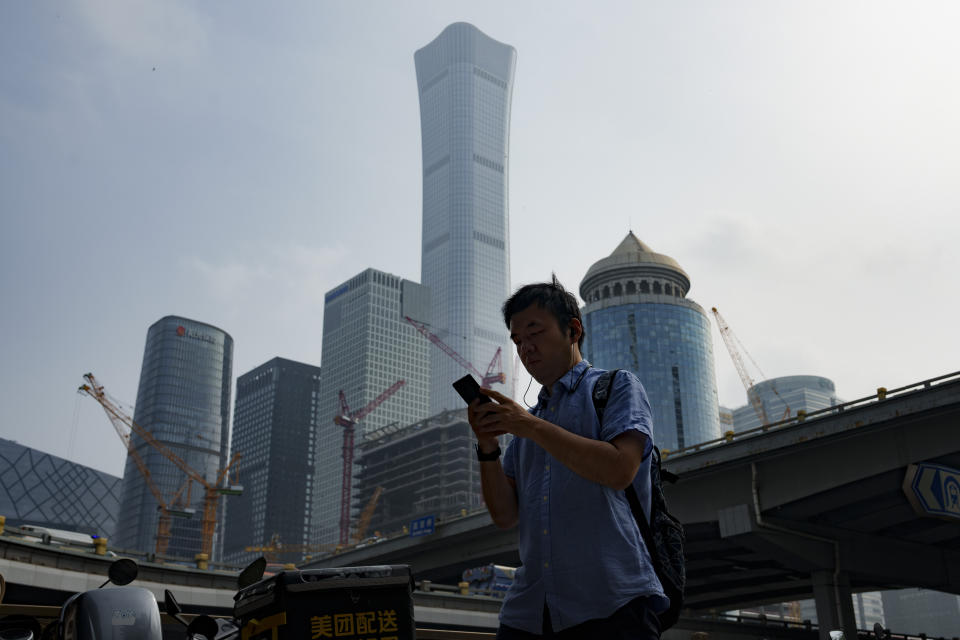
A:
97, 614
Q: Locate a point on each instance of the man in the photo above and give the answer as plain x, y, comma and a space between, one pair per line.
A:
586, 572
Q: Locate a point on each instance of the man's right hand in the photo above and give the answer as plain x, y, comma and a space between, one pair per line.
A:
486, 440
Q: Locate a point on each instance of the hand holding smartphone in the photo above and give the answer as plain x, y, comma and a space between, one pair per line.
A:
469, 389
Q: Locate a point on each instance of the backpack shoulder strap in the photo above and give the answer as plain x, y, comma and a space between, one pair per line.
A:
601, 392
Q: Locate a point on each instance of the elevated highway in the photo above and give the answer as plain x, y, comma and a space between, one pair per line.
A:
813, 506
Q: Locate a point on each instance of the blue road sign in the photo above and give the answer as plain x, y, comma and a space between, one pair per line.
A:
933, 490
422, 526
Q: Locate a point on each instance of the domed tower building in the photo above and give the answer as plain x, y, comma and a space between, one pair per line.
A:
637, 317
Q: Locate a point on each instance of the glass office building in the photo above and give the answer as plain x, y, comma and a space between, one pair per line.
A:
184, 400
41, 489
465, 82
637, 317
782, 397
274, 426
368, 345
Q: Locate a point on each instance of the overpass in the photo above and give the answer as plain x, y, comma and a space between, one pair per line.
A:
813, 506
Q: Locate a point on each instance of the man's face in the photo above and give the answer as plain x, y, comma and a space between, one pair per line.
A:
546, 349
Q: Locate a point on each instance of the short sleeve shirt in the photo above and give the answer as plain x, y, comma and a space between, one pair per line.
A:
581, 550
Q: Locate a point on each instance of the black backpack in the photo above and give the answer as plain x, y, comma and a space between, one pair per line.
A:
663, 535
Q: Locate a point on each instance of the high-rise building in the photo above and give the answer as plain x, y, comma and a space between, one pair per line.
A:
42, 489
637, 317
916, 611
465, 80
368, 345
426, 468
783, 397
274, 426
184, 400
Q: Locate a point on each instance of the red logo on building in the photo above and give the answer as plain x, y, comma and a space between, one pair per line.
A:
181, 331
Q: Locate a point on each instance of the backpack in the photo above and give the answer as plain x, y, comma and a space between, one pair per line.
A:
663, 534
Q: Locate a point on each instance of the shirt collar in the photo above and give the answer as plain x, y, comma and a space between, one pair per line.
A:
568, 381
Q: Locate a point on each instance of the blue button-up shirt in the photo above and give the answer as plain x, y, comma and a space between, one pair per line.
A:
580, 546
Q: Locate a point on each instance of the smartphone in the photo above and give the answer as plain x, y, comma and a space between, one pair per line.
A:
469, 389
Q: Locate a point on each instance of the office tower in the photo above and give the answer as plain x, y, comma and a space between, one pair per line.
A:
916, 611
368, 345
867, 609
637, 317
465, 80
184, 400
429, 467
783, 397
274, 426
42, 489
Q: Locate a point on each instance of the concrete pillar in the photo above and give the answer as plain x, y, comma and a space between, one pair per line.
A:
834, 604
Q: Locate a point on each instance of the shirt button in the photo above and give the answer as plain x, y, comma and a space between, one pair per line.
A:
546, 565
544, 498
546, 467
544, 532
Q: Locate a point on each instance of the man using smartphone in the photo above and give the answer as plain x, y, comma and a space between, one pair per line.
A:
586, 572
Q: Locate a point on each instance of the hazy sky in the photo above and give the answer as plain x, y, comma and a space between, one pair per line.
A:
233, 161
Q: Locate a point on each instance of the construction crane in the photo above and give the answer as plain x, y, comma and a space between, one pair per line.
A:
363, 523
173, 508
734, 346
274, 547
486, 379
348, 419
212, 491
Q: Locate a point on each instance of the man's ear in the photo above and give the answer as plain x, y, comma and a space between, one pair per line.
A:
576, 330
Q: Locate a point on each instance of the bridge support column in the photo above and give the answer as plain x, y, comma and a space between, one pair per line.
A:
834, 604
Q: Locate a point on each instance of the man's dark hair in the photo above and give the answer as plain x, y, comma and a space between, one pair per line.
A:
546, 295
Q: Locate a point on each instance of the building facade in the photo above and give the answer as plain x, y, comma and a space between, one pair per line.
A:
41, 489
465, 82
183, 399
782, 397
916, 611
637, 317
368, 345
426, 468
274, 430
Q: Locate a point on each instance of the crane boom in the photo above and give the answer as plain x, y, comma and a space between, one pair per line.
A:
364, 522
212, 491
730, 340
485, 379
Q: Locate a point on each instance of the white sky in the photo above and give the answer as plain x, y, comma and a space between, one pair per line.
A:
232, 161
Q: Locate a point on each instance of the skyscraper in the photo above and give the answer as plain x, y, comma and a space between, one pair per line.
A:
783, 397
367, 346
184, 400
274, 426
465, 79
637, 317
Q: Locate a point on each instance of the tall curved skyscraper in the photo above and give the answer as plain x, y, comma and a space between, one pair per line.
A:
465, 80
637, 317
184, 400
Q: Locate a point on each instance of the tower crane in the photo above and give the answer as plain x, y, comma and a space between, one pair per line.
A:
212, 491
168, 509
732, 342
348, 419
486, 379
